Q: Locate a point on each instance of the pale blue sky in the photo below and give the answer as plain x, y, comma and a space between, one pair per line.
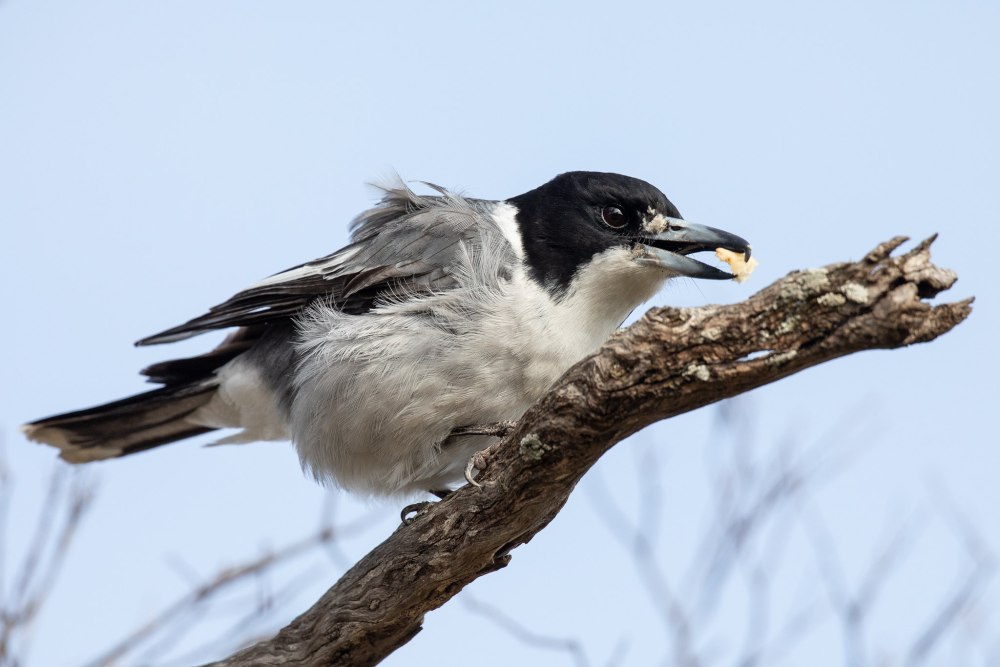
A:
157, 157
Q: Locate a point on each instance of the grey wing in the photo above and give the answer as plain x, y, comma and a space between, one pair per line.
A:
406, 243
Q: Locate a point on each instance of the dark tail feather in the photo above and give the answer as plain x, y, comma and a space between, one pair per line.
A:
123, 427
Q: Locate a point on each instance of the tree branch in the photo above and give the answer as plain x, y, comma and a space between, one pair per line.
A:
669, 362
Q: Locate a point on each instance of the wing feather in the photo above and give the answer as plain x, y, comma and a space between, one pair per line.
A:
407, 242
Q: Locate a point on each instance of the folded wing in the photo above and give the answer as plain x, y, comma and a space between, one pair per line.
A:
407, 242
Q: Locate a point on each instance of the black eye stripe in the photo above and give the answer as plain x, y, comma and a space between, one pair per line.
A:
614, 217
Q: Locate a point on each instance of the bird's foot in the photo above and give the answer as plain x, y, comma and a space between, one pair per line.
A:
477, 462
479, 459
496, 430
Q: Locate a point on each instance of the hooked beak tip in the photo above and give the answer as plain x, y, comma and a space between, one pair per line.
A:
670, 248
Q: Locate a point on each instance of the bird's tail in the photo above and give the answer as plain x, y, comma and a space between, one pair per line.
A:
127, 426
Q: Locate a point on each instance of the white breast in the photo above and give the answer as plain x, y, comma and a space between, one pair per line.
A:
556, 333
378, 394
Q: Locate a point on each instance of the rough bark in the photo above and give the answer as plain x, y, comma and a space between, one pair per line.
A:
669, 362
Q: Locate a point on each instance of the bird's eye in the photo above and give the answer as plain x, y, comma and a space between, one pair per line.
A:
613, 217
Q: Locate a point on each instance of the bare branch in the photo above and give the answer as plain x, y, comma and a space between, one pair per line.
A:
68, 498
669, 362
187, 607
635, 539
949, 613
965, 593
572, 647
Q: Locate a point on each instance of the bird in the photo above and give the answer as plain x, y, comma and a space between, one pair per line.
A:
442, 312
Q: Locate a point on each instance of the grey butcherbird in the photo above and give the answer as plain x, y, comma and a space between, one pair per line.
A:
443, 312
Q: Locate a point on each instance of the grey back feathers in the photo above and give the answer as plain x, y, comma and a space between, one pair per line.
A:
407, 242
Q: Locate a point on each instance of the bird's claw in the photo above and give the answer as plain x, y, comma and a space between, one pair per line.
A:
416, 509
476, 462
479, 459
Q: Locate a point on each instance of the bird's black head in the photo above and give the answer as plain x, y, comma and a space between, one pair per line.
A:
580, 214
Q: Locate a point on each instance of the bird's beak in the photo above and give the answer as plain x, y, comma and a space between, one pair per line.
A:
669, 248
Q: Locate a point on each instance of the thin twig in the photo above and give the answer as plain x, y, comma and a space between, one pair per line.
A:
193, 599
571, 647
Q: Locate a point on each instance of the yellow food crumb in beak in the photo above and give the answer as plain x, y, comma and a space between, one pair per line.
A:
740, 267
